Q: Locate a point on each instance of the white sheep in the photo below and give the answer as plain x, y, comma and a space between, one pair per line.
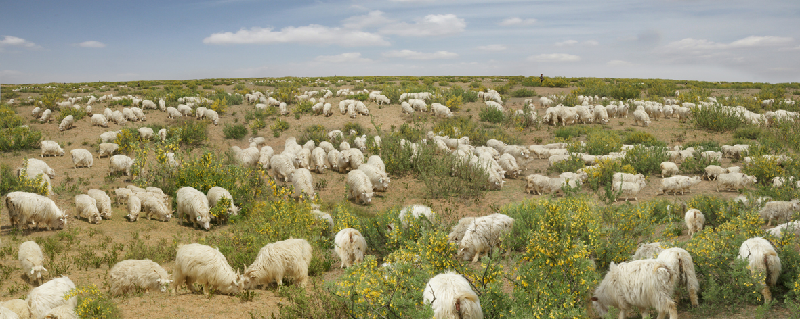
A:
134, 207
81, 157
681, 269
264, 156
379, 179
694, 219
46, 116
246, 157
108, 137
359, 187
762, 258
711, 155
281, 166
30, 259
457, 232
173, 112
627, 190
677, 184
86, 207
483, 234
128, 115
146, 133
138, 113
51, 295
51, 148
647, 251
779, 210
440, 110
509, 164
184, 109
319, 160
215, 194
131, 275
414, 211
99, 120
196, 263
451, 297
121, 163
354, 158
350, 246
668, 169
24, 208
303, 183
406, 108
212, 116
640, 116
278, 260
33, 167
639, 284
107, 149
18, 307
734, 181
791, 227
333, 157
66, 123
151, 206
302, 158
535, 183
713, 171
194, 205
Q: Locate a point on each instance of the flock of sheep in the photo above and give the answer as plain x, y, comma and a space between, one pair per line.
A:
639, 284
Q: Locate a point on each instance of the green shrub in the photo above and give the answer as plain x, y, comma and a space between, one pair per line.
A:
748, 132
644, 138
492, 115
764, 169
303, 108
92, 303
316, 133
716, 118
19, 138
278, 127
602, 142
646, 160
568, 132
459, 126
572, 164
523, 92
697, 164
128, 139
190, 132
9, 118
236, 131
10, 182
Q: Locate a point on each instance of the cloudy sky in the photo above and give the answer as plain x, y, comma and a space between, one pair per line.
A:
713, 40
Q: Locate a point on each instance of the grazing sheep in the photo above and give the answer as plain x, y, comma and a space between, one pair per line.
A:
153, 206
257, 142
379, 179
134, 207
51, 295
108, 137
762, 258
162, 134
334, 156
25, 208
483, 234
319, 161
81, 157
121, 163
173, 112
46, 116
131, 275
457, 232
275, 261
734, 181
107, 149
215, 194
791, 227
19, 307
637, 284
66, 123
677, 184
350, 246
668, 169
51, 148
33, 167
246, 157
212, 116
509, 164
303, 183
681, 268
146, 133
647, 251
30, 259
627, 190
302, 159
711, 155
779, 210
359, 187
354, 158
196, 263
184, 109
535, 183
451, 297
694, 221
194, 205
264, 156
641, 116
281, 166
440, 110
713, 171
128, 115
86, 207
406, 108
138, 113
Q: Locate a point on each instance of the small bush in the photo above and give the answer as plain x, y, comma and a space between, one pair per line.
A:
749, 132
716, 118
316, 133
572, 164
602, 142
19, 138
237, 131
92, 303
764, 169
644, 138
190, 132
696, 164
303, 108
278, 127
492, 115
568, 132
352, 126
646, 160
523, 92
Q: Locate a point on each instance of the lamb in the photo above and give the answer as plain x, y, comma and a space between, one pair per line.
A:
379, 179
791, 227
46, 116
18, 307
694, 221
30, 259
640, 116
81, 157
668, 169
359, 187
761, 257
713, 171
779, 210
121, 163
108, 137
264, 156
509, 164
193, 204
483, 234
303, 183
107, 149
647, 251
146, 133
215, 194
173, 112
51, 148
24, 208
281, 166
350, 246
451, 297
131, 275
51, 295
637, 284
86, 207
734, 181
681, 269
196, 263
66, 123
288, 258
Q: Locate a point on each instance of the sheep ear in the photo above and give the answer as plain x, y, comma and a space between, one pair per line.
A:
198, 218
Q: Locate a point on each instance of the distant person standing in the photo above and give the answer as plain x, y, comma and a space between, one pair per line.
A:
541, 78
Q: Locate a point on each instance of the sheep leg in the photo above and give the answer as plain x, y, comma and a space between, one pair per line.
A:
693, 296
766, 293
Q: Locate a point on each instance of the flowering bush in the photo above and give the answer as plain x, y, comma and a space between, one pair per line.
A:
93, 304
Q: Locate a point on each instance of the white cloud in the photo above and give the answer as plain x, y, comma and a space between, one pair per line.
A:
516, 21
492, 47
618, 63
690, 44
10, 73
752, 41
310, 34
554, 57
349, 57
430, 25
591, 42
414, 55
11, 40
574, 42
92, 44
373, 18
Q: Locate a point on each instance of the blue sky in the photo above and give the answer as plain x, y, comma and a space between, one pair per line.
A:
712, 40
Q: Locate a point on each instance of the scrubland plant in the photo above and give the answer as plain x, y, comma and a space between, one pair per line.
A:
492, 115
697, 164
65, 111
14, 135
646, 160
236, 131
93, 303
572, 164
764, 169
716, 118
10, 182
